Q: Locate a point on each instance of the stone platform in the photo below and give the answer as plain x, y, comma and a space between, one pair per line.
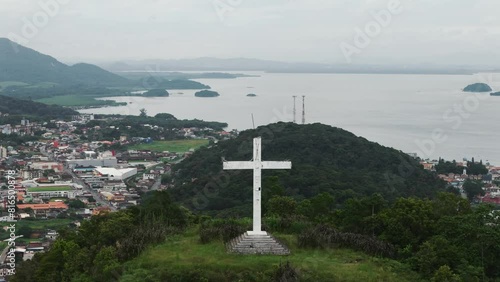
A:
257, 244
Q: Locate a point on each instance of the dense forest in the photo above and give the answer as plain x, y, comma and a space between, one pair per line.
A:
324, 159
14, 106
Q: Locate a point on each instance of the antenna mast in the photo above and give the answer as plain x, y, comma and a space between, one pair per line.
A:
303, 109
294, 110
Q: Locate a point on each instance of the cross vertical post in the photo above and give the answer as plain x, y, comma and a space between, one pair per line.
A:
257, 181
256, 164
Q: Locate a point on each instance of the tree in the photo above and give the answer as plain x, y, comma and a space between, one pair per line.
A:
319, 208
445, 274
143, 113
408, 223
165, 116
106, 265
25, 231
473, 188
284, 207
76, 204
434, 253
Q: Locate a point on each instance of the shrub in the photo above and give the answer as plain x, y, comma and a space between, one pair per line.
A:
324, 236
223, 230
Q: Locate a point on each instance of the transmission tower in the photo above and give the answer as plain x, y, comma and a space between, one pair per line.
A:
303, 109
294, 110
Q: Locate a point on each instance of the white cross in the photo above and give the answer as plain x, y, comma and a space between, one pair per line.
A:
257, 165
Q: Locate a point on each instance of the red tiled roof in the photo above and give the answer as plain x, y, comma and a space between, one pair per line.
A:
51, 205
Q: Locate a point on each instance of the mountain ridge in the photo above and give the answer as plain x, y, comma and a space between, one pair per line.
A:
22, 64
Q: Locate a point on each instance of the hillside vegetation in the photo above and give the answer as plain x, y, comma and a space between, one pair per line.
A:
14, 106
324, 159
478, 87
18, 63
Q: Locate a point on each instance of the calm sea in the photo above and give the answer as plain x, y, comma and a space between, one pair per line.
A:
425, 114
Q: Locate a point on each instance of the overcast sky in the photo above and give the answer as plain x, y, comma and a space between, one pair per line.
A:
451, 32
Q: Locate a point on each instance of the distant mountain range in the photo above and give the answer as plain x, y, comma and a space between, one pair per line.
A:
246, 64
21, 64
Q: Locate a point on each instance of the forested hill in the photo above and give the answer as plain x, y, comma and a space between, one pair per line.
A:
21, 64
324, 159
13, 106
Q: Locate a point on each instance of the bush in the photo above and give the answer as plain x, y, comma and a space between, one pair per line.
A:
324, 237
223, 230
286, 273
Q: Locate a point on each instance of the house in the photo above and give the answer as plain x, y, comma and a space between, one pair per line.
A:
44, 209
35, 247
51, 235
101, 210
148, 176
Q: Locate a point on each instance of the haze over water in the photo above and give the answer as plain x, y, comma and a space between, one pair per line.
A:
400, 111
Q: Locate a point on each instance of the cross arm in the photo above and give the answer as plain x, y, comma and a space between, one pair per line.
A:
276, 165
237, 165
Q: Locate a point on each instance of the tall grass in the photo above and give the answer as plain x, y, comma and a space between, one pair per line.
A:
324, 237
222, 230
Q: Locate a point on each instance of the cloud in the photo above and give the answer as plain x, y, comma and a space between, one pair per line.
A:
295, 30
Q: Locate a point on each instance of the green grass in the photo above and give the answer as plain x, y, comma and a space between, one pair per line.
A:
187, 259
76, 100
50, 189
43, 85
57, 199
176, 146
12, 83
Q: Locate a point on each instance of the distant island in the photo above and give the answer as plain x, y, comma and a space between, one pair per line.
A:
478, 87
251, 95
206, 93
156, 93
495, 94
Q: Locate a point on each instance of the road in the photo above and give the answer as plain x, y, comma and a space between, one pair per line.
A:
86, 187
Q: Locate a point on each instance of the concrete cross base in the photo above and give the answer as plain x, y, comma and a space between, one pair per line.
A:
257, 244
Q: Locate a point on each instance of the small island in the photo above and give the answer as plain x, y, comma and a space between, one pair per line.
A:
495, 94
251, 95
156, 93
206, 93
478, 87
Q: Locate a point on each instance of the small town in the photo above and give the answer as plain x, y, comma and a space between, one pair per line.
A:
65, 179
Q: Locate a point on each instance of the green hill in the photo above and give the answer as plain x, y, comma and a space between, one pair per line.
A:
189, 260
478, 87
324, 159
156, 93
18, 63
206, 93
14, 106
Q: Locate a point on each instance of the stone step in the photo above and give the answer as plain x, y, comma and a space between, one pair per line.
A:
256, 244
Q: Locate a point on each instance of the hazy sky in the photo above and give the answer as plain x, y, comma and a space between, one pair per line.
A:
437, 31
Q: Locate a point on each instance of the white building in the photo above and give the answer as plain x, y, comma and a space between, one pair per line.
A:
148, 176
114, 173
111, 162
3, 152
